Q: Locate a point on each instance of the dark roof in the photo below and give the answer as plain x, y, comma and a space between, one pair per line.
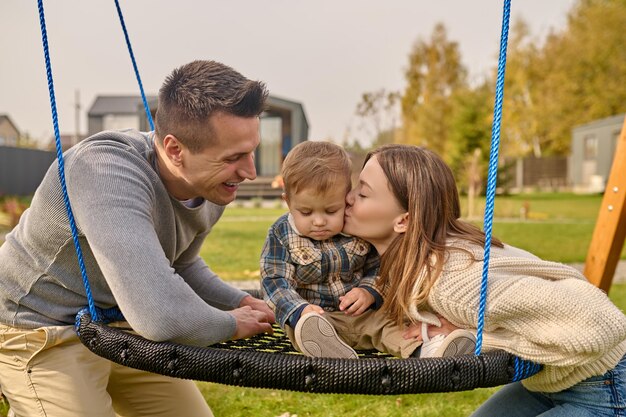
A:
283, 103
129, 104
607, 121
103, 105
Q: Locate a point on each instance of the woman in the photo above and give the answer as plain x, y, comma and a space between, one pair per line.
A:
406, 205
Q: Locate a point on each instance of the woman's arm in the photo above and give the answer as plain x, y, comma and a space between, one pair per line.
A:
542, 311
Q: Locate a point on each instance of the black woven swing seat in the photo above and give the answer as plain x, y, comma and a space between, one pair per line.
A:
270, 362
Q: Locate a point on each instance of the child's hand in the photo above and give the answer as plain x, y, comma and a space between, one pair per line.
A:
356, 301
312, 308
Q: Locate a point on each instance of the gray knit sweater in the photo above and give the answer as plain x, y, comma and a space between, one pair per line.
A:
140, 247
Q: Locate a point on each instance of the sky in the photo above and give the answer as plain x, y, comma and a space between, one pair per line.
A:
322, 53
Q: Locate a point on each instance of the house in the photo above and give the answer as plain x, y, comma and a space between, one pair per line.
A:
117, 112
67, 141
9, 133
592, 151
283, 125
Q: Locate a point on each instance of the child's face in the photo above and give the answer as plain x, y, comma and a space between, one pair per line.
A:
318, 216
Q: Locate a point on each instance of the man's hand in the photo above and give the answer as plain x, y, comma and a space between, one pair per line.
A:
250, 322
356, 301
259, 305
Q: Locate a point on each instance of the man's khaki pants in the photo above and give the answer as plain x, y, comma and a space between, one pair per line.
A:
48, 372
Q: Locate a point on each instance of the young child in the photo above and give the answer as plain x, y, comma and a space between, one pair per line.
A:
321, 282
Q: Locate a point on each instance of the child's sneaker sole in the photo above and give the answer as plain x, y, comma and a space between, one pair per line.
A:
459, 342
316, 337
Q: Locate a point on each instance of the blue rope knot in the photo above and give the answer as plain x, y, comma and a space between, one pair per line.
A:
105, 315
524, 369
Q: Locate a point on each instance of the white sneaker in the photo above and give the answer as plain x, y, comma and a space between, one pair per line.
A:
459, 342
316, 337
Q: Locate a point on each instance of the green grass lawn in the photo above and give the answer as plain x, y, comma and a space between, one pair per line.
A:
559, 227
234, 245
229, 401
547, 206
243, 402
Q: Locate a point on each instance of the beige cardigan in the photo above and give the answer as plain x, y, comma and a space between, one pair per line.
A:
541, 311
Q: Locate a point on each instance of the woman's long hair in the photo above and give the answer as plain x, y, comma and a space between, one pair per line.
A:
425, 187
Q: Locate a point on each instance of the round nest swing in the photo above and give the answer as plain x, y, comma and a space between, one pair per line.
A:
269, 361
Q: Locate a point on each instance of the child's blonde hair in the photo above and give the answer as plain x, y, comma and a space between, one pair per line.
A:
319, 166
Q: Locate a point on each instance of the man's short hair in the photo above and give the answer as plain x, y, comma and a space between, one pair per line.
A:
195, 91
316, 166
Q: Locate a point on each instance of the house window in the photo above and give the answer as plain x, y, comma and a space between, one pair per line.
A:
616, 136
269, 154
590, 147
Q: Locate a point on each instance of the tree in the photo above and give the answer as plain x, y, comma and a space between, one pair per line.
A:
435, 72
470, 130
523, 102
378, 114
584, 69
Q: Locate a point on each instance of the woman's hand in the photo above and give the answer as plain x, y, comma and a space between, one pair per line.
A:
356, 301
414, 330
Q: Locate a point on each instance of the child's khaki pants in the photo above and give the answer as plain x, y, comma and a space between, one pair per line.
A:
48, 372
370, 330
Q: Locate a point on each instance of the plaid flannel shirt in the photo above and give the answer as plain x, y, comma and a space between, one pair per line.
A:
296, 270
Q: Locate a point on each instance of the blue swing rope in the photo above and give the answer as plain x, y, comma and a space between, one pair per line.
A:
132, 58
59, 151
97, 314
523, 368
493, 170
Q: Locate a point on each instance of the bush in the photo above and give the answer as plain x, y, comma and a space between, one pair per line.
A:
11, 209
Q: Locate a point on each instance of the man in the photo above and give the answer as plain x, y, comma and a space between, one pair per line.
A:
143, 204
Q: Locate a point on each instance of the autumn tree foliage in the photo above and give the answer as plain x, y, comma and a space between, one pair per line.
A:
571, 77
434, 74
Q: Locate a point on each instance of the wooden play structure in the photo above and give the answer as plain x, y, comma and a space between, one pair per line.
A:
608, 235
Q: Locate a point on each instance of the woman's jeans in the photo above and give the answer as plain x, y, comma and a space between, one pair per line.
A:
600, 396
